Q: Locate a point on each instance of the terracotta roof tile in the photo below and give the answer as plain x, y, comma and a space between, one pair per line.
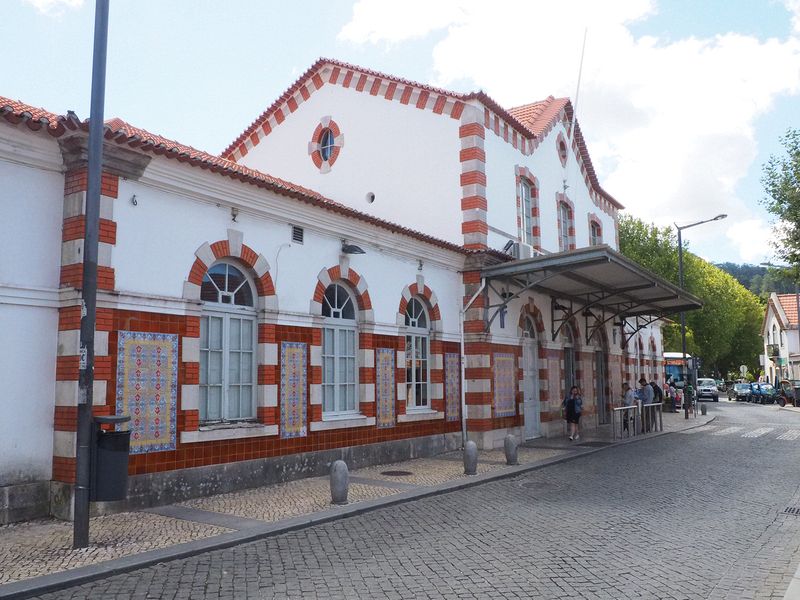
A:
35, 118
789, 306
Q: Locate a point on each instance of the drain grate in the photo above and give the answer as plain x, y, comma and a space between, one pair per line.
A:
396, 473
793, 510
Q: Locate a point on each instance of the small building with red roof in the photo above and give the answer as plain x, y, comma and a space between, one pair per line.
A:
781, 340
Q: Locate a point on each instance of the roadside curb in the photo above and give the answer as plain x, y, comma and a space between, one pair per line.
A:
73, 577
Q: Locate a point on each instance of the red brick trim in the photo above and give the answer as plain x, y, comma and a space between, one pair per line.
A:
562, 149
314, 151
563, 199
351, 281
595, 220
524, 174
247, 258
428, 298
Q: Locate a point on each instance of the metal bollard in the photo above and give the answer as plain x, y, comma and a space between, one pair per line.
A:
703, 409
471, 458
510, 446
340, 482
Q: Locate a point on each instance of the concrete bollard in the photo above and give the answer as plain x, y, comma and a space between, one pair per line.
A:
703, 409
340, 482
471, 458
510, 446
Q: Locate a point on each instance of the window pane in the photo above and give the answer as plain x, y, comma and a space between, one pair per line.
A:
348, 310
215, 367
327, 341
204, 332
246, 372
351, 370
244, 296
246, 400
215, 333
214, 403
327, 398
216, 274
208, 293
351, 397
329, 301
203, 403
328, 375
247, 334
235, 279
234, 369
234, 334
233, 402
203, 367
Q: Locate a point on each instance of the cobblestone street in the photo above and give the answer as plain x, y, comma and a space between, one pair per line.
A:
700, 514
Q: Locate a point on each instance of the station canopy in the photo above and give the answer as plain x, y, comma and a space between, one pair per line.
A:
596, 283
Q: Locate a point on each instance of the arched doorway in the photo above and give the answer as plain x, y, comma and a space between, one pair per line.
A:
530, 382
601, 378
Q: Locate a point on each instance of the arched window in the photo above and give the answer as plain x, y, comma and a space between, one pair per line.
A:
227, 346
417, 353
527, 211
774, 333
339, 336
564, 224
595, 234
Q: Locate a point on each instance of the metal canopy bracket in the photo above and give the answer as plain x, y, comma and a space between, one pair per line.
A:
565, 313
639, 322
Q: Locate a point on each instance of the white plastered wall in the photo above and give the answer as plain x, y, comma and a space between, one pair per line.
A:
31, 204
545, 165
407, 157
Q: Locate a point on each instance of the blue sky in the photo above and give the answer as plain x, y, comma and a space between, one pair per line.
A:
681, 101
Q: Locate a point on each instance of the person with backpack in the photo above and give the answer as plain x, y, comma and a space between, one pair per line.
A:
572, 406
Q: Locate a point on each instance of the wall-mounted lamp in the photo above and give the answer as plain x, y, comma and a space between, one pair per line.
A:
419, 264
508, 246
351, 248
234, 213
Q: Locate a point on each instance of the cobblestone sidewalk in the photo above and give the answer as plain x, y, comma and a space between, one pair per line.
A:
44, 547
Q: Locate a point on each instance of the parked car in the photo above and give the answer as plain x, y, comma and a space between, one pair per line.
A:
764, 393
789, 392
707, 388
721, 387
739, 392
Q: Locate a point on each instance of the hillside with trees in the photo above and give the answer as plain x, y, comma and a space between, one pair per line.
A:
726, 332
759, 279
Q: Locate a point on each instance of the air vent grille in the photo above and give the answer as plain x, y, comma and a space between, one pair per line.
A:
297, 234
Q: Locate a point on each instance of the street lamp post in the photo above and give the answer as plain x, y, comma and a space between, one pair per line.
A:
684, 374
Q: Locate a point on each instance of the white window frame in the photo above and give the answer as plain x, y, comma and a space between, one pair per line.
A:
595, 233
417, 337
226, 312
563, 234
526, 205
336, 327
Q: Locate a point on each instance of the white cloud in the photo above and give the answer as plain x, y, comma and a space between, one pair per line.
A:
54, 7
752, 237
669, 123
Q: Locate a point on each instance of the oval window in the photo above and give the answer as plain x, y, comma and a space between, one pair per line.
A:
326, 143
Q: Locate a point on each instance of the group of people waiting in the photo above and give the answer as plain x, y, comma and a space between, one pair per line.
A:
646, 393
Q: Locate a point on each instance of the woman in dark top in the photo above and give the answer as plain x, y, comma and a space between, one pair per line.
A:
572, 407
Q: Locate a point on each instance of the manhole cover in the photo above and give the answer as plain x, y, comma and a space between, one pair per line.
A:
792, 510
396, 473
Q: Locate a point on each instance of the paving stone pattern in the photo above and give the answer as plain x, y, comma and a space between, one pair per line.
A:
40, 547
284, 500
699, 516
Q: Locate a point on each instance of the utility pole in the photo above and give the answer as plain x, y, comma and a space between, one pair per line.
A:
80, 532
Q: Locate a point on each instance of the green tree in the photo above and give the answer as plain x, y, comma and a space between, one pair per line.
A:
781, 181
725, 333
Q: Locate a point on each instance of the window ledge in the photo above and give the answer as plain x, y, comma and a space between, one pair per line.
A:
228, 431
342, 422
420, 415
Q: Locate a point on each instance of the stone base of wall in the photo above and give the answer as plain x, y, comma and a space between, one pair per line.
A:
167, 487
24, 501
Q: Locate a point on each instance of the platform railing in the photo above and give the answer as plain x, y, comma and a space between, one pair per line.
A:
622, 415
652, 417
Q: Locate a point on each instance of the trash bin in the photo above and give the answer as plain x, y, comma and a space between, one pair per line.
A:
110, 460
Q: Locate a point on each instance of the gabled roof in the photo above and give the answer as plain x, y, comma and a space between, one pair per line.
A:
532, 121
123, 134
537, 116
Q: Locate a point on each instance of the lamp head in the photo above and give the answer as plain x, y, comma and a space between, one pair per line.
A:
720, 217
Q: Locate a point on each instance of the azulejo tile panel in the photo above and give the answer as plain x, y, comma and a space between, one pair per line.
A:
147, 388
452, 390
504, 385
385, 388
294, 386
